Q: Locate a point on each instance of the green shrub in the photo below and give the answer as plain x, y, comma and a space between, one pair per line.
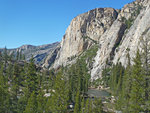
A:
129, 22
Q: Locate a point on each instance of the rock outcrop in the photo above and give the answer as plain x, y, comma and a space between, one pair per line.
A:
50, 59
107, 45
119, 41
83, 31
132, 39
115, 31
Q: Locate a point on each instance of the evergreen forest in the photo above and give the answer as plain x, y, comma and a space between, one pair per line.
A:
28, 88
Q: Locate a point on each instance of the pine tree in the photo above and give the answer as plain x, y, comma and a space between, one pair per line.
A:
106, 76
58, 101
120, 79
2, 99
120, 102
137, 92
32, 80
78, 79
77, 103
40, 102
87, 106
22, 102
1, 56
98, 106
116, 77
90, 106
5, 57
4, 94
113, 78
15, 88
17, 57
32, 104
82, 106
146, 71
9, 72
2, 79
126, 88
2, 91
11, 57
23, 57
20, 55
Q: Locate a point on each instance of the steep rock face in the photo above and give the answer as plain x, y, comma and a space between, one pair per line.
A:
50, 59
107, 44
132, 9
83, 30
123, 36
133, 37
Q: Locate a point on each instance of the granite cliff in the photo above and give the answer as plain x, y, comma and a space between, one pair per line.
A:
123, 37
116, 32
84, 31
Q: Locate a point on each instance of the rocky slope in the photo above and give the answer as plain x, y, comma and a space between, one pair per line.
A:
84, 30
117, 32
121, 41
132, 39
39, 53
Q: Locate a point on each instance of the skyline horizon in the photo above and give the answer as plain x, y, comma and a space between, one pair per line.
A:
39, 27
30, 45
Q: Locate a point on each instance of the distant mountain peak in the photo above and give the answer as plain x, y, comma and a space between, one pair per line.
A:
26, 46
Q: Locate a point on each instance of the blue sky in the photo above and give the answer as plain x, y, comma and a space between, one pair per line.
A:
40, 22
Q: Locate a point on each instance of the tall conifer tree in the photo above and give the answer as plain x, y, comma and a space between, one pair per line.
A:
137, 90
